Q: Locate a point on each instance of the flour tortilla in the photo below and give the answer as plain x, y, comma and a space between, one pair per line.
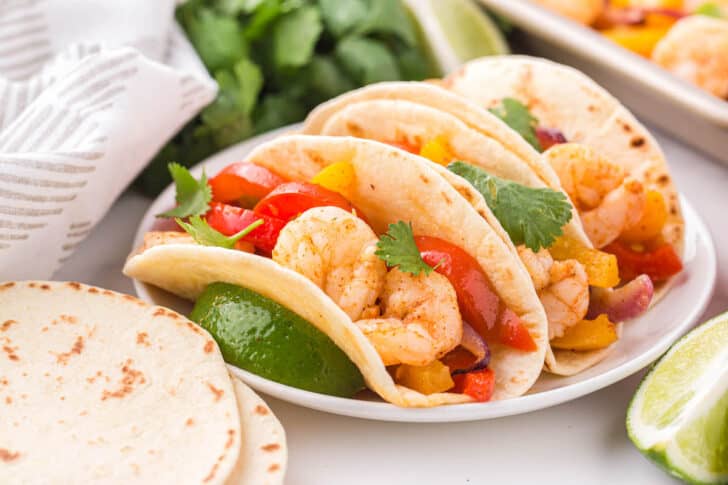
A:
390, 185
564, 98
263, 452
386, 113
99, 387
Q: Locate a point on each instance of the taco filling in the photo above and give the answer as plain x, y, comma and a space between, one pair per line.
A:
425, 304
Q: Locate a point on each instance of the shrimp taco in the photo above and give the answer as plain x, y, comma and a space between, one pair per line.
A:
609, 163
525, 195
346, 262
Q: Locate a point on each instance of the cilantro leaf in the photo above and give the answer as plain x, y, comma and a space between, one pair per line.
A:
366, 60
295, 36
217, 38
201, 231
709, 9
533, 217
343, 15
193, 196
397, 248
516, 115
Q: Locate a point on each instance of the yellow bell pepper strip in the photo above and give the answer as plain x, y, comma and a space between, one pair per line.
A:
587, 335
653, 220
429, 379
640, 39
601, 268
337, 177
437, 150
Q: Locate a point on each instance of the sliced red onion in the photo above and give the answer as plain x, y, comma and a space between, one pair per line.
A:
476, 345
620, 304
549, 137
636, 15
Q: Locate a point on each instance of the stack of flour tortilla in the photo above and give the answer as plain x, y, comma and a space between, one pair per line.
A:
99, 387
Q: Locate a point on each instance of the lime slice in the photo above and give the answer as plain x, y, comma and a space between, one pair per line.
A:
679, 415
457, 31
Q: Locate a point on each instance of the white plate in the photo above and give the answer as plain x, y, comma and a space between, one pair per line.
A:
648, 90
644, 339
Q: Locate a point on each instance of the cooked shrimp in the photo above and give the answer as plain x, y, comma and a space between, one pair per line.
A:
334, 249
583, 11
562, 287
566, 298
420, 320
696, 49
609, 202
538, 265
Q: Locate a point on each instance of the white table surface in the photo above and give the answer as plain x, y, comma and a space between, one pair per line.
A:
581, 442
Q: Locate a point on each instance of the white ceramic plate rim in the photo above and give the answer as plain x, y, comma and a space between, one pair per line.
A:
696, 234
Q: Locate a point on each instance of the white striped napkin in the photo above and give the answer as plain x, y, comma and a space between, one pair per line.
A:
89, 92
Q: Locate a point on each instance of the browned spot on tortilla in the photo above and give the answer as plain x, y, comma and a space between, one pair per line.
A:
45, 287
74, 285
93, 290
424, 179
194, 328
274, 468
68, 319
663, 179
83, 413
212, 473
354, 129
231, 439
217, 392
108, 292
158, 312
209, 346
8, 400
371, 186
6, 325
4, 381
626, 127
260, 409
8, 456
77, 348
591, 108
31, 285
141, 339
10, 351
129, 378
637, 141
448, 200
189, 422
10, 284
270, 447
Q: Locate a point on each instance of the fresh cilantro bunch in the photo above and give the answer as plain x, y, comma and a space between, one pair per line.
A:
533, 217
274, 60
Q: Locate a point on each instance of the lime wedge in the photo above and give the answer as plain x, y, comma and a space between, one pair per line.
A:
457, 31
679, 415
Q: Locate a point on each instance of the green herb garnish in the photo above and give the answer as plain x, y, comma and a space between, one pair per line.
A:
397, 248
533, 217
201, 231
516, 115
193, 196
709, 9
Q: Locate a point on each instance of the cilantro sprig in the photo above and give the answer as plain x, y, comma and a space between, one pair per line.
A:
530, 216
204, 234
193, 196
397, 248
516, 115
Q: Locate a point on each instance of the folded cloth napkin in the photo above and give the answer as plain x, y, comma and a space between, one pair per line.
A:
89, 91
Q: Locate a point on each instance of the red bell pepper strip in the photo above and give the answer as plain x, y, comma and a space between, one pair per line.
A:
478, 384
229, 220
292, 198
479, 304
242, 182
659, 263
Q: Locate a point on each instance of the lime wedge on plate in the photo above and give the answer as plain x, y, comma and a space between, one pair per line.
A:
679, 415
457, 31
